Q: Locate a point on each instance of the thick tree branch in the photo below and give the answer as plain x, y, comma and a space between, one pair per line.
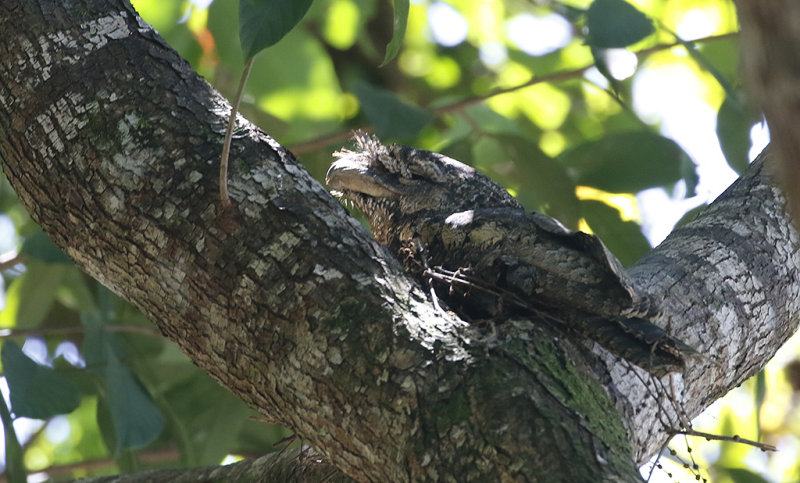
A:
111, 142
728, 283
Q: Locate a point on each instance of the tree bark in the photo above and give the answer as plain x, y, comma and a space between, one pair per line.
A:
112, 143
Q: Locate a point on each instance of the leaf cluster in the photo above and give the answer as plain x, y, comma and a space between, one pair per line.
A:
95, 381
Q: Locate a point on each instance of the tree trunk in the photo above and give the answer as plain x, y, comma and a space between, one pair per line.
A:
112, 143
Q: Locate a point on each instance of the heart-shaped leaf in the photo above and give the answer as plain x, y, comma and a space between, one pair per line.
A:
264, 22
36, 391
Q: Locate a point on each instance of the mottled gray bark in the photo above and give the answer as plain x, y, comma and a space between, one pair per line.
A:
112, 142
728, 284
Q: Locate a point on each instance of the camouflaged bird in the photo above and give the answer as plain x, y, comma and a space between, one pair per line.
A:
488, 258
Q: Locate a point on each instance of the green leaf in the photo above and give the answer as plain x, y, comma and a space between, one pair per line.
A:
84, 381
31, 295
723, 57
623, 238
99, 346
105, 424
264, 22
616, 23
74, 293
399, 30
137, 420
36, 391
734, 121
200, 406
390, 116
627, 162
40, 247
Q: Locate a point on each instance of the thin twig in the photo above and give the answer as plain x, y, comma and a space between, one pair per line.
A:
226, 145
332, 138
733, 439
655, 463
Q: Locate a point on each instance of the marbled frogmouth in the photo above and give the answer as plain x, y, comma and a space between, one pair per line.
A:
488, 258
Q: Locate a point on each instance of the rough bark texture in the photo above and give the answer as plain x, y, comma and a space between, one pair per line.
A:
111, 142
729, 283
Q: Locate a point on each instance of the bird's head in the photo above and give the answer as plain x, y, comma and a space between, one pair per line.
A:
389, 184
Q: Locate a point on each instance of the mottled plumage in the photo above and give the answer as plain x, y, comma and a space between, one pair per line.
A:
492, 259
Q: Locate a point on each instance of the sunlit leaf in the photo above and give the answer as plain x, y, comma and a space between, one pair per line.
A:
36, 391
31, 295
623, 238
616, 23
264, 22
390, 116
723, 55
399, 30
627, 162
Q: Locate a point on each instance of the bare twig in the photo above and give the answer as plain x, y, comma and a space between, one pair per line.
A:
226, 145
733, 439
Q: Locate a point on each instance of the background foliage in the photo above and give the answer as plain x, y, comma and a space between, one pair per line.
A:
539, 95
